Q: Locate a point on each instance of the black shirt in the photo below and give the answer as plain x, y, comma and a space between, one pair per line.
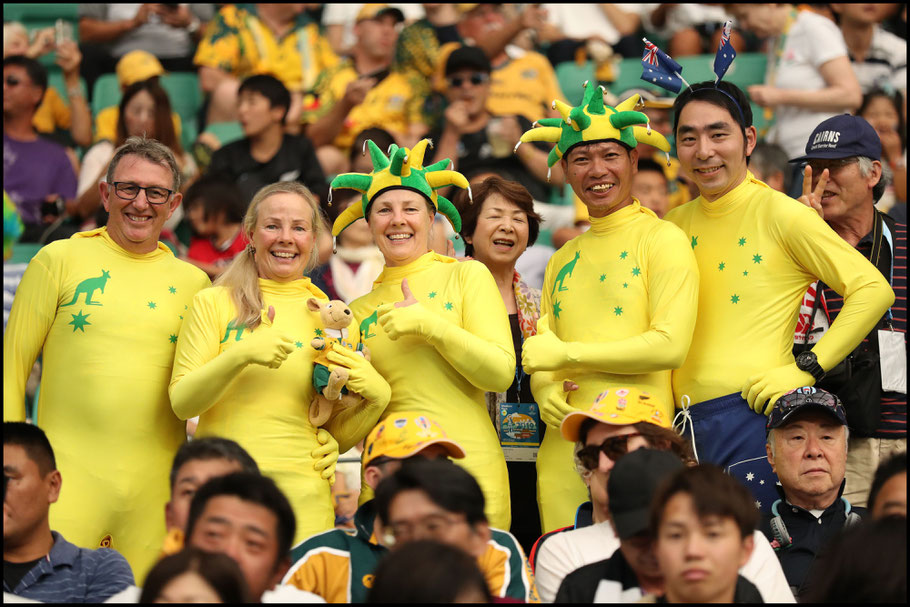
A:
14, 572
581, 585
295, 161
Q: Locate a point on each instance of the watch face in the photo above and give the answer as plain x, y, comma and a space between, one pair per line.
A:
805, 359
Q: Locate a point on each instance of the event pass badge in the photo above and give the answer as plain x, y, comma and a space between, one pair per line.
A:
519, 431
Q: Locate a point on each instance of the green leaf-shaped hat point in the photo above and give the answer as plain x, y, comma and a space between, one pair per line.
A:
593, 121
401, 169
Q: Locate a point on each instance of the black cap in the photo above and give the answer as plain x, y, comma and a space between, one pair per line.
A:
632, 485
843, 136
468, 58
801, 399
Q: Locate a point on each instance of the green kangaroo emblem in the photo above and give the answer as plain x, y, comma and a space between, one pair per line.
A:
232, 327
367, 322
565, 272
88, 287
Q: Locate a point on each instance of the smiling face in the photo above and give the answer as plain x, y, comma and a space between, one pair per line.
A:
501, 234
601, 175
400, 222
847, 192
711, 148
136, 224
810, 459
699, 556
283, 237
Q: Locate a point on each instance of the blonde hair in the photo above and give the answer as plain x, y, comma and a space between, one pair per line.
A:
241, 278
10, 30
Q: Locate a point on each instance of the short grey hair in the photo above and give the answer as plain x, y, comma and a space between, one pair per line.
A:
148, 149
865, 169
770, 440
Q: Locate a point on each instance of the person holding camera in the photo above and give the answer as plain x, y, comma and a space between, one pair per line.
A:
842, 182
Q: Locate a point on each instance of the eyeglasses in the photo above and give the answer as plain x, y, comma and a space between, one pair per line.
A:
12, 81
154, 194
475, 79
614, 448
433, 526
832, 165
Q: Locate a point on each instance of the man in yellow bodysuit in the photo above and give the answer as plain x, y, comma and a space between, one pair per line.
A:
105, 308
618, 302
757, 251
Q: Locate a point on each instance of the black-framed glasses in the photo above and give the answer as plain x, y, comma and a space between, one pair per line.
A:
476, 79
614, 448
154, 194
12, 81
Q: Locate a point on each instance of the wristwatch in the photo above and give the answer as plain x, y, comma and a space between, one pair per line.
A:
808, 362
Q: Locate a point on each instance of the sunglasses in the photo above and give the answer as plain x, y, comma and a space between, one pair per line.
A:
614, 448
475, 79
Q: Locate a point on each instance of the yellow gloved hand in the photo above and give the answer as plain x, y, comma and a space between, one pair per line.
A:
544, 351
326, 455
265, 346
762, 390
408, 317
554, 403
363, 378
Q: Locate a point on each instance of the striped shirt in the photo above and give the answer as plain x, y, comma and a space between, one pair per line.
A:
69, 574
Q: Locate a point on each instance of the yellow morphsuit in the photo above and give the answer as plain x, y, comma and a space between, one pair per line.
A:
107, 322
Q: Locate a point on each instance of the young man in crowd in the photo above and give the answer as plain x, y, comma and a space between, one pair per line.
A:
757, 253
843, 181
267, 154
888, 495
703, 522
105, 308
807, 447
650, 187
38, 563
338, 566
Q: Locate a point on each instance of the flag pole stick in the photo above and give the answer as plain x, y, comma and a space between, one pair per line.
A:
681, 78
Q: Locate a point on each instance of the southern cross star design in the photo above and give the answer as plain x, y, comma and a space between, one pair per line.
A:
742, 241
152, 305
318, 332
432, 294
694, 241
603, 277
636, 271
172, 290
79, 321
734, 299
745, 272
756, 258
750, 476
448, 305
556, 309
721, 266
172, 339
617, 310
624, 254
299, 344
625, 285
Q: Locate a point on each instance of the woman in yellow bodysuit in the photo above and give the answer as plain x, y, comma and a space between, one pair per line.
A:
244, 363
437, 329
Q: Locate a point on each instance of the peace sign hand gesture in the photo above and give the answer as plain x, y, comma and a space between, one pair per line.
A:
813, 198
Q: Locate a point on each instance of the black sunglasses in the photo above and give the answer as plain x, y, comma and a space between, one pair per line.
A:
475, 79
614, 448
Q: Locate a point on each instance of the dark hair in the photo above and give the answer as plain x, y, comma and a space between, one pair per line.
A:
426, 571
211, 447
896, 100
447, 485
218, 570
382, 138
706, 91
36, 72
164, 123
769, 158
713, 493
852, 569
252, 488
34, 441
512, 191
887, 469
216, 194
269, 87
657, 437
649, 164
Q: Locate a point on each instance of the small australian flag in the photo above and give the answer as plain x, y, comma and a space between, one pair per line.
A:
725, 53
660, 69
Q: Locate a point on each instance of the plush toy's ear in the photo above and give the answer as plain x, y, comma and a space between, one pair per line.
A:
313, 304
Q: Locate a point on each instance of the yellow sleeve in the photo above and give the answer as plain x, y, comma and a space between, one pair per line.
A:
673, 303
33, 312
106, 124
867, 294
62, 115
324, 572
220, 47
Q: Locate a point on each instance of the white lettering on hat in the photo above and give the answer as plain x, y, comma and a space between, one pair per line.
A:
826, 137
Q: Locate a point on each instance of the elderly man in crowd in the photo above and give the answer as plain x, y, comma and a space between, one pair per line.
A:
843, 181
807, 448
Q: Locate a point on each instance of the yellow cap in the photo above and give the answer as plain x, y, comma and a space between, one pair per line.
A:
137, 66
466, 7
617, 406
373, 11
401, 435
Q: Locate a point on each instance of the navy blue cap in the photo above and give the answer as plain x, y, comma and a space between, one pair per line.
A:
801, 399
843, 136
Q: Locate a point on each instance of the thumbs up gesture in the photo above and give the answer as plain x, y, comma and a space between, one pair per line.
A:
265, 345
544, 351
408, 317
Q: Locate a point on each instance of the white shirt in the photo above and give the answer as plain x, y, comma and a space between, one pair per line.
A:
885, 63
583, 21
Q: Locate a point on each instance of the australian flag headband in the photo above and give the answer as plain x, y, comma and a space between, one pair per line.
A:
660, 69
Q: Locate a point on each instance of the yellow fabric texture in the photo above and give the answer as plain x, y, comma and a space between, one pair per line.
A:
53, 113
236, 41
758, 250
106, 124
394, 104
627, 288
525, 86
445, 378
108, 322
263, 409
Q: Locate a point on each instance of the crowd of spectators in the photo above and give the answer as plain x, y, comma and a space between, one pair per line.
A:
582, 487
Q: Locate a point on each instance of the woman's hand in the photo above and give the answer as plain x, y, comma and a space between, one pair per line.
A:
326, 455
362, 376
764, 95
265, 346
407, 317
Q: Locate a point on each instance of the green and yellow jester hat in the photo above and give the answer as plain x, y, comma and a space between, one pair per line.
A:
592, 121
403, 168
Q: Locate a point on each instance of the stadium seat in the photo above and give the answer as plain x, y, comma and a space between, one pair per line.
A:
226, 132
571, 77
23, 252
747, 69
106, 93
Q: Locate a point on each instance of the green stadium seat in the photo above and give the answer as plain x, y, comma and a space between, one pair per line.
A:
40, 11
226, 132
55, 80
747, 69
184, 93
571, 77
106, 93
23, 252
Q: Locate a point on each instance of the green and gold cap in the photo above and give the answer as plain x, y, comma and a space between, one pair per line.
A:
401, 169
592, 121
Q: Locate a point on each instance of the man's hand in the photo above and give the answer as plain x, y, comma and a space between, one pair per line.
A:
69, 57
765, 96
43, 43
510, 129
142, 15
813, 198
554, 404
357, 90
456, 116
762, 390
